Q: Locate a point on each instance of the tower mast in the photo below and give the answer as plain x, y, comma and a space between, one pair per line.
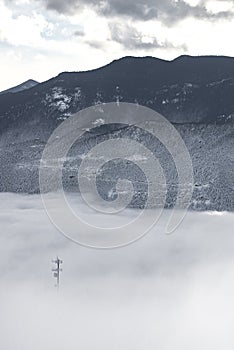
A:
57, 270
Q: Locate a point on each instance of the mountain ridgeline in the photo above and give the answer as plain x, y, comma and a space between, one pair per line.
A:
196, 94
21, 87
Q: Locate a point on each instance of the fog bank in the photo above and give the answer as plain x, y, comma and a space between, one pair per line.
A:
162, 292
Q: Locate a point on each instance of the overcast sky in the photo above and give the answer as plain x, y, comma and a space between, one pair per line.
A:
41, 38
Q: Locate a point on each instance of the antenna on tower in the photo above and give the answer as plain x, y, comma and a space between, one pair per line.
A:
57, 271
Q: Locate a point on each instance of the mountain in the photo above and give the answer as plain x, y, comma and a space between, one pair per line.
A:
194, 93
24, 86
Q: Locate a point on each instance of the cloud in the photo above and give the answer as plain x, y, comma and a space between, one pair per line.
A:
160, 292
95, 44
132, 39
24, 29
167, 11
63, 6
79, 32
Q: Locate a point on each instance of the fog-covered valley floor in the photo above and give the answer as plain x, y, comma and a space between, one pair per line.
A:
162, 292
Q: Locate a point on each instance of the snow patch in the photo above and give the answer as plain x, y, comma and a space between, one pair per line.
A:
59, 100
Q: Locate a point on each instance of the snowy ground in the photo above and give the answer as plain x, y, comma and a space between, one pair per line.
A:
162, 292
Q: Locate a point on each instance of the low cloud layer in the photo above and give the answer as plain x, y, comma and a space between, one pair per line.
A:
163, 291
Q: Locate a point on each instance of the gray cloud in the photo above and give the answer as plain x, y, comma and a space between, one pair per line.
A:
168, 11
63, 6
79, 32
132, 39
95, 44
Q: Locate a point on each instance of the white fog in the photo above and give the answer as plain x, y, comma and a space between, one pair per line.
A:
161, 292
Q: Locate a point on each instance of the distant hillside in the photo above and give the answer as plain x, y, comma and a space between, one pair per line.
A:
24, 86
195, 93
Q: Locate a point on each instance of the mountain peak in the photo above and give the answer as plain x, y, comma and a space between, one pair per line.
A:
21, 87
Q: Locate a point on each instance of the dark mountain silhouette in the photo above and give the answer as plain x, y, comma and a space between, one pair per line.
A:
194, 93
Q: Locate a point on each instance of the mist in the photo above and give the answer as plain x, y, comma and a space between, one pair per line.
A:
161, 292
